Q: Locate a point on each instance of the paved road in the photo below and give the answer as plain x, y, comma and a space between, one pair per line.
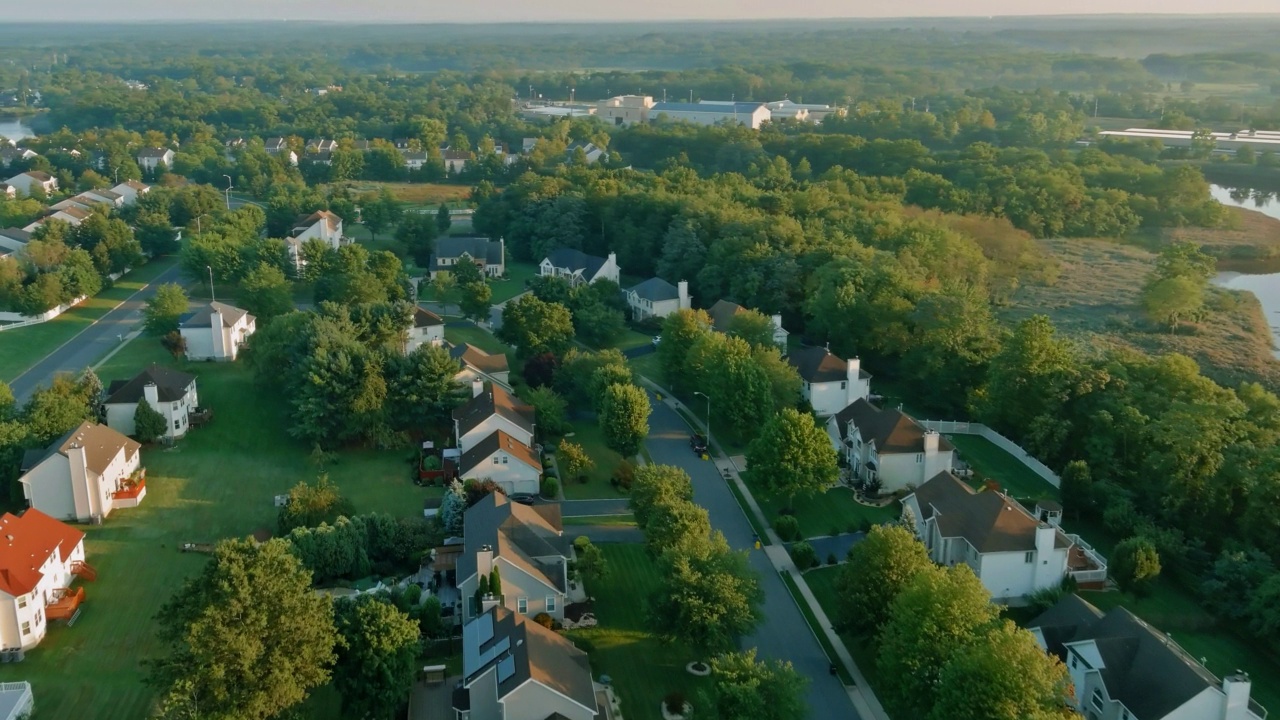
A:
784, 634
92, 343
584, 508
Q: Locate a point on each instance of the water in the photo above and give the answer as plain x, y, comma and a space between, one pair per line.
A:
14, 129
1266, 287
1267, 203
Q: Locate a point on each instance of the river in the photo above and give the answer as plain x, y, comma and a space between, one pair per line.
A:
1267, 203
1262, 278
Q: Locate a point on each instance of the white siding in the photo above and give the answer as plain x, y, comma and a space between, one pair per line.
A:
199, 343
48, 488
486, 428
535, 701
511, 474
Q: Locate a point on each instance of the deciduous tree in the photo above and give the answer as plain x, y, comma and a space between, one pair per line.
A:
148, 424
745, 688
878, 569
1135, 565
534, 326
793, 456
708, 597
1003, 675
573, 459
624, 418
164, 309
266, 292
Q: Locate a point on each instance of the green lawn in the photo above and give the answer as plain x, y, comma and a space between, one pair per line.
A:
518, 273
623, 647
631, 339
989, 461
23, 347
834, 510
588, 434
131, 358
648, 366
217, 483
622, 520
476, 336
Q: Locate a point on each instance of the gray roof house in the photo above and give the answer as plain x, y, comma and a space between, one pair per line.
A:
579, 268
528, 546
489, 255
169, 392
656, 298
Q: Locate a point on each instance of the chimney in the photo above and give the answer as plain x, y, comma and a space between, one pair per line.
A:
613, 260
1236, 687
682, 289
931, 442
215, 326
854, 370
488, 603
477, 387
152, 395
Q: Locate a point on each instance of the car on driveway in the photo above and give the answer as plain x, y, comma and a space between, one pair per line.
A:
524, 498
698, 442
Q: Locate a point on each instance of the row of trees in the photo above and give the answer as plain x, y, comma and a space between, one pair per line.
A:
48, 414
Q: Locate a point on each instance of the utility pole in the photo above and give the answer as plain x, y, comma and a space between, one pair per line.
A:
210, 269
228, 177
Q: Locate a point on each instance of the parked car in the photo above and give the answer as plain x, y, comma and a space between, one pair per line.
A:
523, 498
698, 442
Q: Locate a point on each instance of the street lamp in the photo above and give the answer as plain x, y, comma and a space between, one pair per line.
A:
228, 177
708, 397
210, 269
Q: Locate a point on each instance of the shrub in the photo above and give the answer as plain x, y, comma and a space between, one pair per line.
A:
1135, 565
787, 526
804, 556
581, 542
831, 559
675, 702
550, 487
624, 475
834, 531
544, 620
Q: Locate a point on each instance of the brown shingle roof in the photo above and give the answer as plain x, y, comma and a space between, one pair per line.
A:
479, 359
495, 441
305, 221
493, 401
40, 175
892, 431
425, 318
519, 535
988, 520
101, 445
722, 314
203, 317
818, 365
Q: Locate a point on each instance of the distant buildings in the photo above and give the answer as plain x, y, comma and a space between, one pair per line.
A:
624, 110
1222, 141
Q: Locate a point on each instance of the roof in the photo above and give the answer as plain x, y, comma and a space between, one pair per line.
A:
37, 174
722, 314
576, 260
818, 365
425, 318
154, 152
306, 221
456, 155
655, 290
1143, 668
493, 401
133, 185
100, 443
495, 441
477, 248
518, 534
728, 108
988, 520
203, 318
892, 431
73, 211
16, 234
522, 650
480, 360
108, 194
26, 543
171, 386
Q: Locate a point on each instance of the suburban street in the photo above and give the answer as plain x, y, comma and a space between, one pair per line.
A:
783, 634
92, 343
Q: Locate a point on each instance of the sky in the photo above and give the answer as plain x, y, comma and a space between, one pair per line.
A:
482, 11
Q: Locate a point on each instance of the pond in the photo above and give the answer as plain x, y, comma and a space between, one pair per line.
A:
1264, 286
1263, 201
14, 129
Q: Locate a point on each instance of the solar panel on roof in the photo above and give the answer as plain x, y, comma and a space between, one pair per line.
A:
506, 668
485, 628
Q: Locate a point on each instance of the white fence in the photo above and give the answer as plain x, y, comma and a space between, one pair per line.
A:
15, 320
951, 427
22, 700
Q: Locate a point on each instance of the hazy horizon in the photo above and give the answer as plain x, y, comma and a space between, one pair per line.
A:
497, 11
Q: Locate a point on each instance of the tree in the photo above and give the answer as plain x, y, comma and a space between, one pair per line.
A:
551, 409
1135, 565
745, 688
793, 456
878, 569
379, 211
573, 460
443, 286
310, 505
535, 327
247, 637
708, 596
476, 300
540, 370
680, 331
624, 418
418, 234
1077, 487
939, 612
754, 327
266, 292
452, 508
590, 563
423, 389
1003, 675
1264, 610
148, 424
164, 309
176, 343
676, 525
495, 582
377, 656
51, 411
443, 221
1172, 300
657, 486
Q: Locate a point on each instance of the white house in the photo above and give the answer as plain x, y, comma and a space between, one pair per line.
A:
11, 155
216, 331
830, 384
579, 268
415, 159
723, 312
513, 465
8, 191
591, 153
657, 298
455, 161
103, 197
490, 409
16, 700
427, 329
321, 145
280, 146
130, 190
888, 446
24, 182
79, 202
169, 392
84, 474
515, 669
480, 365
71, 214
711, 112
322, 225
488, 255
39, 559
153, 157
808, 112
527, 545
624, 110
14, 240
1124, 669
1012, 551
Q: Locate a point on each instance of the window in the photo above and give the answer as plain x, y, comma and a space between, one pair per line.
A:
1030, 557
844, 385
504, 459
919, 458
26, 628
22, 602
1096, 700
1124, 715
1075, 661
174, 406
177, 424
551, 603
495, 459
522, 605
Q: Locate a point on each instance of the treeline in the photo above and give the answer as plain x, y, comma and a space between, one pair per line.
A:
48, 414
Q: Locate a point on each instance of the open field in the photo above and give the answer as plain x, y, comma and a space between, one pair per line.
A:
217, 483
623, 647
623, 520
587, 433
1250, 235
417, 193
989, 461
518, 275
830, 513
476, 336
23, 347
1095, 300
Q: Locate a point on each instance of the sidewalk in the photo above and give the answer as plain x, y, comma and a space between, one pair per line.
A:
860, 693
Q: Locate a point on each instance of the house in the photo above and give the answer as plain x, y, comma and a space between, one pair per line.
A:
280, 146
1124, 669
320, 157
513, 465
491, 409
480, 365
27, 181
1013, 551
103, 197
39, 559
656, 298
527, 545
320, 145
415, 159
169, 392
13, 240
515, 669
322, 225
11, 155
216, 331
830, 383
785, 109
151, 158
528, 144
455, 161
427, 329
723, 312
71, 214
80, 202
888, 446
16, 700
130, 190
591, 152
8, 191
625, 110
84, 474
579, 268
713, 112
488, 255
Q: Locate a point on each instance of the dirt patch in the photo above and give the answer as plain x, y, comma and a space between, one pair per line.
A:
1250, 235
262, 534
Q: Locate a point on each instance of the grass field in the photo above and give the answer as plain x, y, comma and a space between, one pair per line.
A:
23, 347
217, 483
587, 433
834, 510
623, 520
648, 366
518, 274
631, 339
822, 581
643, 668
989, 461
482, 339
418, 193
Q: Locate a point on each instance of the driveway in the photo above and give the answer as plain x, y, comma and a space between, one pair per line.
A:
92, 343
783, 634
837, 545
